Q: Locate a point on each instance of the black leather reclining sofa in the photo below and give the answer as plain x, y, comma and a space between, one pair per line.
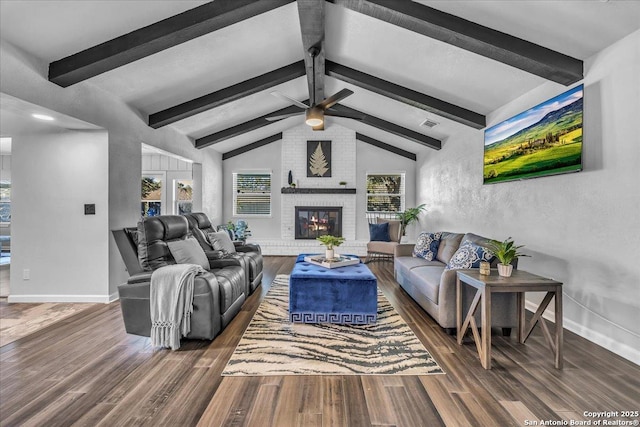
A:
218, 294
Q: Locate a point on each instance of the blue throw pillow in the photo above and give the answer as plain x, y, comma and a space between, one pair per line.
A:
379, 232
427, 245
469, 255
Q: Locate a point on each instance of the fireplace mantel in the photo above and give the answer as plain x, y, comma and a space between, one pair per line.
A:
290, 190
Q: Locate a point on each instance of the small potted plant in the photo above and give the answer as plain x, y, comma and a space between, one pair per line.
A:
330, 242
409, 216
343, 184
506, 252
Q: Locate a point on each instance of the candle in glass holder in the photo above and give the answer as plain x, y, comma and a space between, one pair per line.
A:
485, 268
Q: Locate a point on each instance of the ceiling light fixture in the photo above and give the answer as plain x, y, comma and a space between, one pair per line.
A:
42, 117
314, 116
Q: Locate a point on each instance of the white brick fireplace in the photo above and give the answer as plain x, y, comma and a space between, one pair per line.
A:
343, 168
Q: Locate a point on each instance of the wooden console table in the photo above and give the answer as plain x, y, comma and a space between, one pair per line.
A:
520, 282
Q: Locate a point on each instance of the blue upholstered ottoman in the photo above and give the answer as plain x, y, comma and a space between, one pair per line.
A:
337, 295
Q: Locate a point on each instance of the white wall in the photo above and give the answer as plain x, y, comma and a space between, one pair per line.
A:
65, 251
24, 76
264, 158
581, 228
374, 159
5, 167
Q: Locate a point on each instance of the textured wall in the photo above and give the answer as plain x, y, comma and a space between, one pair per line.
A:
581, 228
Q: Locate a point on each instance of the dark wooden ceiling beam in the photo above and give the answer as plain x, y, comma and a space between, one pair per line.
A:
405, 95
468, 35
245, 127
393, 128
311, 13
261, 121
390, 148
252, 146
228, 94
156, 37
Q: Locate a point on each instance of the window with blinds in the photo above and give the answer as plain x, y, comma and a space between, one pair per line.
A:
252, 193
385, 192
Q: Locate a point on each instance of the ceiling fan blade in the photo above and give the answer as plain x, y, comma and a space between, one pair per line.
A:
290, 100
284, 116
344, 114
335, 98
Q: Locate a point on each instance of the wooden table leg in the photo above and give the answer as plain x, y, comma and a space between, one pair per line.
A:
485, 356
459, 310
559, 328
520, 296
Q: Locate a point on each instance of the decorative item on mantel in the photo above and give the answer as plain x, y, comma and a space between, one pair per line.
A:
330, 242
290, 179
343, 184
506, 252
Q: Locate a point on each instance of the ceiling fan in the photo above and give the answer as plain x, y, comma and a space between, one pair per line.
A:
314, 113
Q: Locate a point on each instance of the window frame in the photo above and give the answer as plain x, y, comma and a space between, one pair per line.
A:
176, 196
402, 191
162, 175
7, 200
235, 192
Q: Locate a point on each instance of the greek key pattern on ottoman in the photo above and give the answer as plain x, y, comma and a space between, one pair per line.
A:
352, 318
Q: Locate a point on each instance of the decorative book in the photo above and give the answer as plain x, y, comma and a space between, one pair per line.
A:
339, 261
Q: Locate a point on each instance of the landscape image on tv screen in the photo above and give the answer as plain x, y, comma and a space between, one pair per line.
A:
544, 140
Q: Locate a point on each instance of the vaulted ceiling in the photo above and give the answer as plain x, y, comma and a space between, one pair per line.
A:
207, 69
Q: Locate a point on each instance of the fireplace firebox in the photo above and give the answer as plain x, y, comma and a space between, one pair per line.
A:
315, 221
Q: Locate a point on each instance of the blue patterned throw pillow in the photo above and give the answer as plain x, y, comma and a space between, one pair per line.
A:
469, 255
427, 245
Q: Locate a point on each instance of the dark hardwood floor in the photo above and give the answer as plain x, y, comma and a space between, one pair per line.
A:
86, 371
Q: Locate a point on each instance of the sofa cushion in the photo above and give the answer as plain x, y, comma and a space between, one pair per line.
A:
394, 228
427, 245
379, 232
427, 280
220, 241
188, 251
405, 264
449, 244
469, 255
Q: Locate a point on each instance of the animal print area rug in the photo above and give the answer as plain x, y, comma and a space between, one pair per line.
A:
272, 345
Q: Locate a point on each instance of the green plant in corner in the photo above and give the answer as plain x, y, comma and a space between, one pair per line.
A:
330, 241
506, 251
409, 216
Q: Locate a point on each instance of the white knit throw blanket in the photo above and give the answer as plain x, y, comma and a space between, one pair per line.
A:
172, 303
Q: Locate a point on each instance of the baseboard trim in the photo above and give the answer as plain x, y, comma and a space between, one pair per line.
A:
602, 340
105, 299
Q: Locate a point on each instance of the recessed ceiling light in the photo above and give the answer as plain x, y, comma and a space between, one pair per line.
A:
42, 117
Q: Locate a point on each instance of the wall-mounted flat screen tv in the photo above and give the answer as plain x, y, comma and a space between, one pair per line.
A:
544, 140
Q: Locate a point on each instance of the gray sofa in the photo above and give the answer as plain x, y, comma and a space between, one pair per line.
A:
434, 289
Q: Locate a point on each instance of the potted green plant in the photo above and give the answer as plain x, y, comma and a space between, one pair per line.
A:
506, 251
343, 184
409, 216
330, 242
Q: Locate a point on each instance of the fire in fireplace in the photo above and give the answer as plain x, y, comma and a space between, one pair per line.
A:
314, 221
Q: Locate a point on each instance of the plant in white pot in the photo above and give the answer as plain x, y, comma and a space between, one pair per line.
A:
409, 216
330, 242
506, 251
